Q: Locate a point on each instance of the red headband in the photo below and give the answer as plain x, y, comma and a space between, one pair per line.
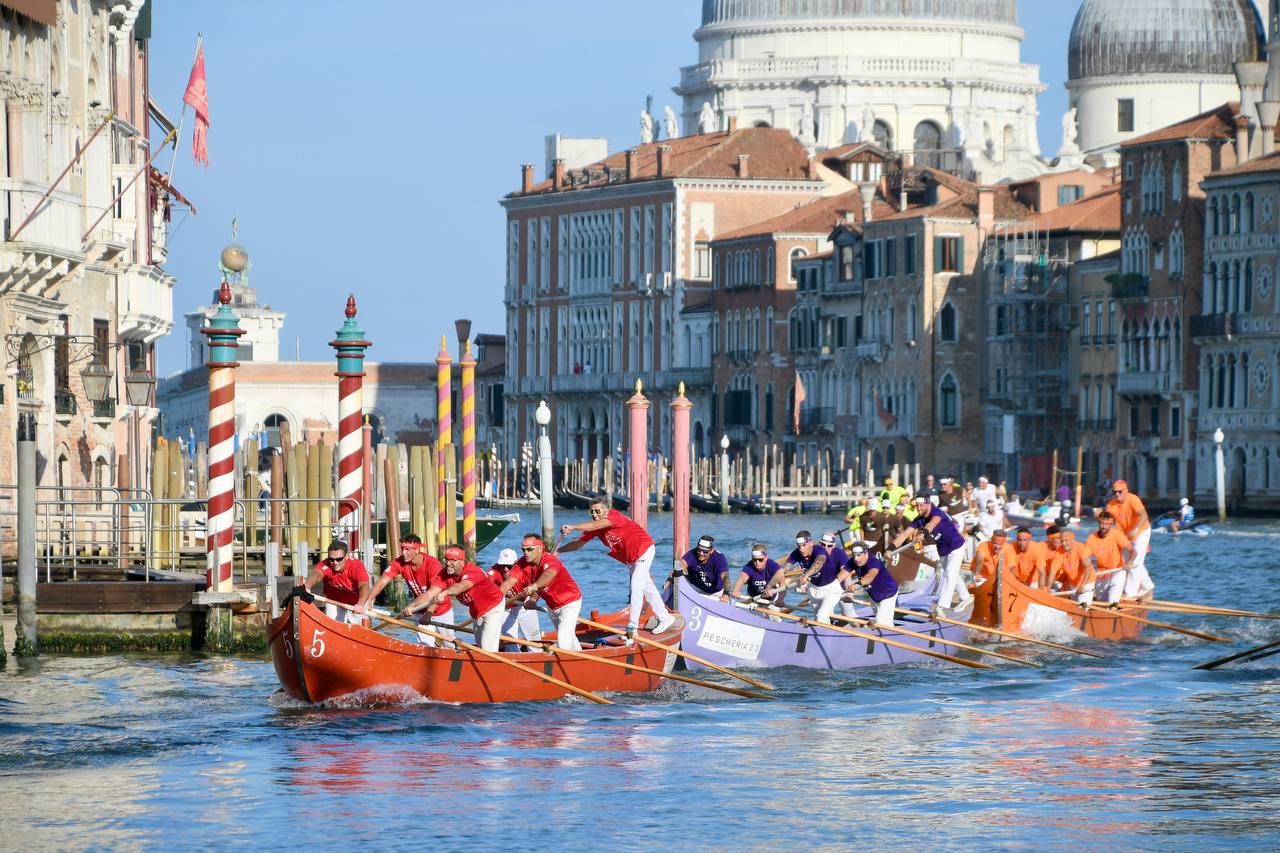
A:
530, 541
455, 553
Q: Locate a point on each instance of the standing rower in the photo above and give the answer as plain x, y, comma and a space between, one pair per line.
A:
706, 569
1108, 550
472, 586
1131, 519
630, 545
950, 541
542, 574
343, 578
420, 571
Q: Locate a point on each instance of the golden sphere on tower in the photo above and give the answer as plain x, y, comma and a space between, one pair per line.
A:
235, 258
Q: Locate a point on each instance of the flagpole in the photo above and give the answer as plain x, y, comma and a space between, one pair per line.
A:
182, 117
126, 187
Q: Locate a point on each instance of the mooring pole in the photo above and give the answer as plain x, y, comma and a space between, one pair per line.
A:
468, 405
223, 333
25, 644
444, 441
680, 416
638, 409
349, 344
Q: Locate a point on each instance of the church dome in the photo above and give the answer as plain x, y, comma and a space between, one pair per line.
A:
1116, 38
750, 11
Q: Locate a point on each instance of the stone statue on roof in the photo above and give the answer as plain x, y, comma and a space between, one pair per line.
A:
868, 130
806, 122
1070, 131
707, 120
669, 124
646, 127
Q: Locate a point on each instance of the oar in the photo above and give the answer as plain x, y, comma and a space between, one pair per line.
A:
1010, 635
942, 641
852, 633
1209, 609
1195, 611
1115, 611
441, 638
1247, 653
599, 626
585, 656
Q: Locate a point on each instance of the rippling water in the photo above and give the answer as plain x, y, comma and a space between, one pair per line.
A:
1139, 751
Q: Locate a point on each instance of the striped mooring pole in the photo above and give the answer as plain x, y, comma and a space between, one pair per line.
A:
444, 440
468, 402
349, 344
222, 333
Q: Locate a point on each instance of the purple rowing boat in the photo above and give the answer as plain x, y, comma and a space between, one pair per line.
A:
729, 635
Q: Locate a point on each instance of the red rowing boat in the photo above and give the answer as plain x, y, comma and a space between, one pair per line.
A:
1005, 605
318, 659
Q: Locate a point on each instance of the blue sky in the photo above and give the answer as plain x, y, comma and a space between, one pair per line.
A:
364, 147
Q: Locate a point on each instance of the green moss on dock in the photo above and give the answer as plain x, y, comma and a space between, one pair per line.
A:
104, 642
222, 638
4, 654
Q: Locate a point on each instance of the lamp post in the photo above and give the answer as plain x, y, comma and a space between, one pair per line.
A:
25, 643
724, 474
1220, 470
543, 416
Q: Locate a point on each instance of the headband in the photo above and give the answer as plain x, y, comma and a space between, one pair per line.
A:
803, 540
454, 553
706, 542
532, 540
758, 552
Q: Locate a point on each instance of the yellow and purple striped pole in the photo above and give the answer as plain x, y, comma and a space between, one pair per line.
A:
468, 364
223, 333
444, 439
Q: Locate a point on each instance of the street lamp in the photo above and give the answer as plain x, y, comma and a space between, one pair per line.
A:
96, 379
1220, 471
542, 415
138, 387
724, 474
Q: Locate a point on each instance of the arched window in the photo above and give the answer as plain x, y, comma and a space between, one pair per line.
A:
927, 137
1248, 212
911, 320
890, 455
272, 426
948, 402
1215, 222
948, 323
796, 254
883, 134
768, 329
1175, 181
1233, 224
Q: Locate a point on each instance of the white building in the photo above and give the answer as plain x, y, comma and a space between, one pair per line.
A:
1135, 66
942, 78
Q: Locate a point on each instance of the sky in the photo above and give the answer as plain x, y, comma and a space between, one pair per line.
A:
364, 148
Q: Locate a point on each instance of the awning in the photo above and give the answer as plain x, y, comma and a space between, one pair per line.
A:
163, 183
166, 123
41, 11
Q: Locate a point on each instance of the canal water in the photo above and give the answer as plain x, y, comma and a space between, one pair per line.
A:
1139, 751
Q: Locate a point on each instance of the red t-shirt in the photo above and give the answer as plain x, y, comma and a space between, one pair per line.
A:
562, 589
625, 539
344, 585
420, 579
483, 595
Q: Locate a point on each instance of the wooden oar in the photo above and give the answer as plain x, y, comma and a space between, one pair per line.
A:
1247, 653
813, 623
599, 626
1115, 611
1195, 611
941, 641
1209, 609
441, 638
674, 676
997, 632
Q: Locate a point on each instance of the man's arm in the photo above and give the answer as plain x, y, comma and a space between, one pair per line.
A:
422, 602
737, 587
818, 563
586, 526
312, 579
541, 581
570, 547
377, 588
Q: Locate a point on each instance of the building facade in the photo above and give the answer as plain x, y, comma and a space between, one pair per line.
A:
1093, 360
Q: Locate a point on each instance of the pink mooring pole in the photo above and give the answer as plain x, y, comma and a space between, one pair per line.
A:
680, 414
638, 408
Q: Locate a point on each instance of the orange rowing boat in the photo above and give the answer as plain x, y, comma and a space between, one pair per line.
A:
1004, 605
318, 659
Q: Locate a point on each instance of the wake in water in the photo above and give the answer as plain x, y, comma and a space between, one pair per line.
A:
1045, 623
383, 696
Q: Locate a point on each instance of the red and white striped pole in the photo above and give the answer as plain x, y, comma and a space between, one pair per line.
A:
350, 346
222, 332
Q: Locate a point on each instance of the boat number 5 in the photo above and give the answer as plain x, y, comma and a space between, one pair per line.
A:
695, 619
317, 644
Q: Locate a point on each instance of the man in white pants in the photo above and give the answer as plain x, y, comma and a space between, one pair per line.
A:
420, 571
629, 544
521, 621
950, 541
472, 586
541, 574
1132, 520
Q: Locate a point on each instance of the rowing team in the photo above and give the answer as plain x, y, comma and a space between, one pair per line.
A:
503, 599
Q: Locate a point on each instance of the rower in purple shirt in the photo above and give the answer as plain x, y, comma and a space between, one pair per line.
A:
835, 551
821, 577
871, 574
706, 568
950, 541
761, 576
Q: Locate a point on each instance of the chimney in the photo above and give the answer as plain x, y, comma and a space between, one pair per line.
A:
902, 199
744, 168
867, 190
811, 169
1269, 115
733, 123
850, 218
1242, 138
631, 164
557, 173
986, 209
526, 178
1251, 77
664, 153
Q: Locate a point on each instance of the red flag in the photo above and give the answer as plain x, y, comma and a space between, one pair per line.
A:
197, 95
800, 396
887, 416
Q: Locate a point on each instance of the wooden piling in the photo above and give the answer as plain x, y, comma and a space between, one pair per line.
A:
326, 514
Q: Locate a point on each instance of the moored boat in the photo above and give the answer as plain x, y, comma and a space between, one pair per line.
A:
318, 659
729, 635
1010, 605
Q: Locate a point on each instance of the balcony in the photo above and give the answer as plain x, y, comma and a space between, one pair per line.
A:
818, 418
742, 285
104, 409
1129, 285
870, 351
850, 287
64, 403
739, 434
148, 303
741, 356
1212, 326
1146, 384
48, 247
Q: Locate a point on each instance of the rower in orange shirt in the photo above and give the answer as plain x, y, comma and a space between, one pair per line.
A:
990, 555
1031, 559
1068, 564
1107, 551
1132, 520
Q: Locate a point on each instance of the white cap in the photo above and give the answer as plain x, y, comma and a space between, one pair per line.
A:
507, 557
875, 504
1183, 502
828, 538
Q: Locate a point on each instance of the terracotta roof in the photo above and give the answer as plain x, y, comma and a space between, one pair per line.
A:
965, 206
1265, 163
774, 154
842, 152
1093, 213
1217, 123
816, 216
948, 180
820, 256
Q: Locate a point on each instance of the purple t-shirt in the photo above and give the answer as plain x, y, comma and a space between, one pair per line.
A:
882, 585
949, 538
707, 576
826, 574
758, 578
836, 555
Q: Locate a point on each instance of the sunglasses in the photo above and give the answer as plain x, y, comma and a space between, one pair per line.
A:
704, 550
528, 548
758, 559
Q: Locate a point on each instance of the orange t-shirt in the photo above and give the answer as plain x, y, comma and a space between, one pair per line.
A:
987, 556
1127, 510
1069, 566
1107, 550
1027, 563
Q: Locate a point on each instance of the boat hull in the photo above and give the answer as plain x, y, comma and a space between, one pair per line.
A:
1008, 610
318, 659
731, 636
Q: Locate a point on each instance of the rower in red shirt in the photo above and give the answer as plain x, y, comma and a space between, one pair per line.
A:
420, 571
522, 617
472, 586
542, 574
630, 545
344, 579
